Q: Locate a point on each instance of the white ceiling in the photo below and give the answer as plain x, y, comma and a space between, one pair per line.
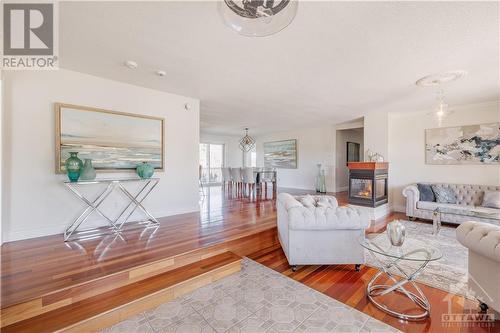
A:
335, 62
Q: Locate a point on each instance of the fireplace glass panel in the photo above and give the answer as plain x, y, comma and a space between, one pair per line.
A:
380, 188
361, 188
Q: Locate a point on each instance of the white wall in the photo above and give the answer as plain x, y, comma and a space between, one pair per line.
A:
407, 150
341, 170
35, 201
314, 145
233, 154
376, 137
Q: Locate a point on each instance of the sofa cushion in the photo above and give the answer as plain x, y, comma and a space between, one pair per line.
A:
491, 199
288, 201
433, 205
426, 193
486, 210
320, 218
308, 201
444, 194
327, 202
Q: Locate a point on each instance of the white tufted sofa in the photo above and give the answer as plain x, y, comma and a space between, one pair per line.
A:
469, 197
483, 242
320, 235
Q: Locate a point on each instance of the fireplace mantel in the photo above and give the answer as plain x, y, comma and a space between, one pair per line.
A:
368, 165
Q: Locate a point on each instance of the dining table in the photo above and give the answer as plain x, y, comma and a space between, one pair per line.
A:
263, 176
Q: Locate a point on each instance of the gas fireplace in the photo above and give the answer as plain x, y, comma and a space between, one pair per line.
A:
368, 183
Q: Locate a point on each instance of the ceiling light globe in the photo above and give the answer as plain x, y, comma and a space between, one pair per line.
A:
256, 18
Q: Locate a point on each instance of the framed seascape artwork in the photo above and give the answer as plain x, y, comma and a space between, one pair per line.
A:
471, 144
114, 141
281, 154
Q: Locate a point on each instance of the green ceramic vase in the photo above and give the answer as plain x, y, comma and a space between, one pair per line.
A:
145, 170
74, 166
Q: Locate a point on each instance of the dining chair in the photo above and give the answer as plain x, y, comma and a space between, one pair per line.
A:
236, 178
268, 175
248, 177
226, 177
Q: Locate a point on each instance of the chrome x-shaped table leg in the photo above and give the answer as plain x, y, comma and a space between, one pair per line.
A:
374, 290
92, 206
134, 200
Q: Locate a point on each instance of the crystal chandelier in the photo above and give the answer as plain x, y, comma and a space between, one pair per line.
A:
247, 143
257, 18
441, 109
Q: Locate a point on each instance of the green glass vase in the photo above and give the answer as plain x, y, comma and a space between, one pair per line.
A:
74, 166
145, 170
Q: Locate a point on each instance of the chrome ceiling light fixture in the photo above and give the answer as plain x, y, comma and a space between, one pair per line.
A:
247, 143
441, 109
257, 18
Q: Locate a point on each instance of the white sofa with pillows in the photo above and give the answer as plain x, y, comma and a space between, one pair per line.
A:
423, 199
314, 230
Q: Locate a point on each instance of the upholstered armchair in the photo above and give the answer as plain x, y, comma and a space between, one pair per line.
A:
314, 230
483, 242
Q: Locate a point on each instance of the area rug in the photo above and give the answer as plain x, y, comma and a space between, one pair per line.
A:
256, 299
448, 273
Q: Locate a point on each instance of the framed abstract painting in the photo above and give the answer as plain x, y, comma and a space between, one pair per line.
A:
115, 141
281, 154
470, 144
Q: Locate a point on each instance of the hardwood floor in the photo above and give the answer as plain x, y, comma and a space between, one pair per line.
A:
39, 266
49, 272
111, 307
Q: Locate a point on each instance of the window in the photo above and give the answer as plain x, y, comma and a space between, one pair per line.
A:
211, 162
250, 158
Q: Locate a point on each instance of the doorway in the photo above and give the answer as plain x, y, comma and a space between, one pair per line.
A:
349, 148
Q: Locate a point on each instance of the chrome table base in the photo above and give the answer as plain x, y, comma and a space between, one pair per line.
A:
116, 224
418, 298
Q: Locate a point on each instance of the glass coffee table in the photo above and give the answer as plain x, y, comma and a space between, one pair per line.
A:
390, 257
476, 213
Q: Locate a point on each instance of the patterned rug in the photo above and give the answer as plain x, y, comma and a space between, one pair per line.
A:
448, 273
256, 299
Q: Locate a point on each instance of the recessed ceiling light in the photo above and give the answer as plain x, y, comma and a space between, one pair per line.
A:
161, 73
131, 64
440, 78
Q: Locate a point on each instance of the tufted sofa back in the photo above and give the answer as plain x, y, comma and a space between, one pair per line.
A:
333, 217
471, 195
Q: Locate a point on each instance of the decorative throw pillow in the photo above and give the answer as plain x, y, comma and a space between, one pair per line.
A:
308, 201
491, 199
324, 202
426, 193
444, 194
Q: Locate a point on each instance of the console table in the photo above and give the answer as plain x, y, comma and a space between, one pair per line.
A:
134, 202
